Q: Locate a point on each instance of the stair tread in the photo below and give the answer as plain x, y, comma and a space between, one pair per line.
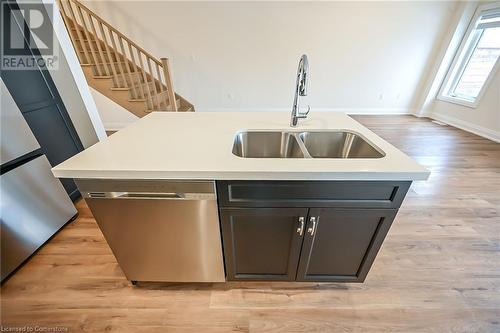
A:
163, 93
122, 63
114, 62
86, 41
103, 76
118, 74
96, 51
144, 85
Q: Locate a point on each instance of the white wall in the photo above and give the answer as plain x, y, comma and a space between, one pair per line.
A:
442, 58
483, 120
114, 116
365, 57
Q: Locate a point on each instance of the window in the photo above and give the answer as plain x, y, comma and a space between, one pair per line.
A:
476, 60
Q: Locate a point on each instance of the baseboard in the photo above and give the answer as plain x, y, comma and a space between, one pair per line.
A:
116, 126
356, 111
468, 127
378, 113
421, 114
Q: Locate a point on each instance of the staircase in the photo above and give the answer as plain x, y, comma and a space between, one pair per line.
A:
119, 68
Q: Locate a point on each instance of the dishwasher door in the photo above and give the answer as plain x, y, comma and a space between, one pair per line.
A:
159, 230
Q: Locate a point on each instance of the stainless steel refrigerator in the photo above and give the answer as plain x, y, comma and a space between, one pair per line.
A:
33, 203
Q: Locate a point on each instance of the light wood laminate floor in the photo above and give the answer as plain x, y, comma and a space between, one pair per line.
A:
438, 270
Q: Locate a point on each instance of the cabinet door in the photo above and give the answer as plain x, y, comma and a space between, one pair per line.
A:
262, 243
341, 244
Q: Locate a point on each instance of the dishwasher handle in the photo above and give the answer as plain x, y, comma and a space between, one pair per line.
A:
149, 195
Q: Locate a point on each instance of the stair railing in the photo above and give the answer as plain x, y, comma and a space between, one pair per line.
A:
114, 54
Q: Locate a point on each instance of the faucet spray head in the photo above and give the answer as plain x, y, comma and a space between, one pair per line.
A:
303, 73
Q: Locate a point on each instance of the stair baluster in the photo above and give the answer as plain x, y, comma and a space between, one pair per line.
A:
168, 78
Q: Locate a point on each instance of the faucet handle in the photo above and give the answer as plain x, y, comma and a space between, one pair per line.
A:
304, 114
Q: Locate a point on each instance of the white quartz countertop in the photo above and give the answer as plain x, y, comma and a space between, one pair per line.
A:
198, 145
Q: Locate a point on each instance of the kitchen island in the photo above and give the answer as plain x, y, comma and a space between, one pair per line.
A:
177, 198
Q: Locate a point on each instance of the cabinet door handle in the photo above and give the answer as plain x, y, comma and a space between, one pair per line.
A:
312, 227
302, 223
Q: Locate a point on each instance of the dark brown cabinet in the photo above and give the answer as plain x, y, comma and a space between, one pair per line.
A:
341, 244
262, 244
287, 230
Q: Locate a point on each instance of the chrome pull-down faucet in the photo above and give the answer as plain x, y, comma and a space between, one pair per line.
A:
300, 90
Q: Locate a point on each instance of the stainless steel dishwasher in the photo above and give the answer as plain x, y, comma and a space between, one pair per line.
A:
159, 230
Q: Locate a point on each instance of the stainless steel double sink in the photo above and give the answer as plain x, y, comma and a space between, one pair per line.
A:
305, 144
